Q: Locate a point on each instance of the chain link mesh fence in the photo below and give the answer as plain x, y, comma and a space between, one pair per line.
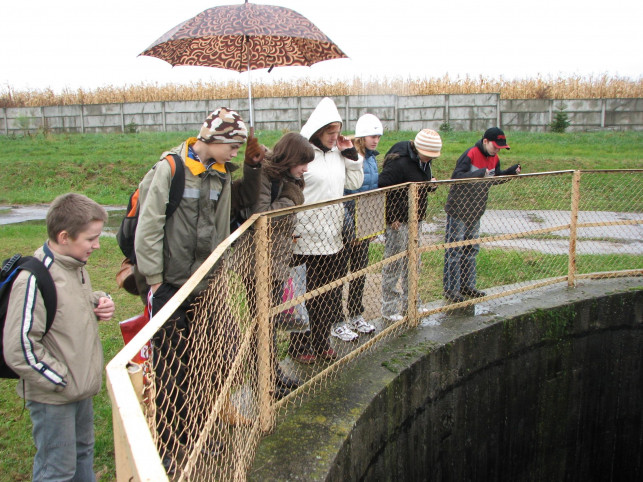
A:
258, 339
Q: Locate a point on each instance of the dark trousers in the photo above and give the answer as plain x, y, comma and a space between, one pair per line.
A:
170, 356
355, 259
325, 309
184, 353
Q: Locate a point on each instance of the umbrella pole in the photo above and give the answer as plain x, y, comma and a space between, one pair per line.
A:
252, 120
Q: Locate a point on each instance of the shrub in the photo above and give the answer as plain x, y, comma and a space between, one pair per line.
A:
561, 120
445, 127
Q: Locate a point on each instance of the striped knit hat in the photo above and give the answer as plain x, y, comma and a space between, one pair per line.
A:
223, 126
428, 143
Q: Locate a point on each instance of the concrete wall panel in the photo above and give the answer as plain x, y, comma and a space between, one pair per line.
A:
462, 111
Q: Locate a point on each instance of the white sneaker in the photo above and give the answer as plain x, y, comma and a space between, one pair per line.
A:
394, 317
344, 333
359, 324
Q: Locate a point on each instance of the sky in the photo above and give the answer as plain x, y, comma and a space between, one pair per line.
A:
76, 44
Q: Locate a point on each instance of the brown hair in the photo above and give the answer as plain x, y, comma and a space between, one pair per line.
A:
315, 139
291, 150
72, 213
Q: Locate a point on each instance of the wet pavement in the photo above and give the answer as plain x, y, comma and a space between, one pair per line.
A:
626, 239
38, 212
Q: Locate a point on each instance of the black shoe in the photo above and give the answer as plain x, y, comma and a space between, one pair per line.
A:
454, 296
280, 392
212, 448
284, 381
472, 292
169, 464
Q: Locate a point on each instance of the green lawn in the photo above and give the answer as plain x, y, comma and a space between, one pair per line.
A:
107, 168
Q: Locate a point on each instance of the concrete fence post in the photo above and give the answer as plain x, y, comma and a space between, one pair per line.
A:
498, 113
603, 104
396, 112
122, 118
446, 108
164, 116
347, 116
82, 118
6, 121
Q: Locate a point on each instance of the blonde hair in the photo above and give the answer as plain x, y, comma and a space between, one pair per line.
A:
72, 213
360, 145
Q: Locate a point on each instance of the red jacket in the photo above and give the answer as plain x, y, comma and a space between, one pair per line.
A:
468, 202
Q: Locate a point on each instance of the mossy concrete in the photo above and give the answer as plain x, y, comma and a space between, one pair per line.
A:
544, 386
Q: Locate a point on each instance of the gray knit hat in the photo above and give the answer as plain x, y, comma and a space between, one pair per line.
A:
223, 126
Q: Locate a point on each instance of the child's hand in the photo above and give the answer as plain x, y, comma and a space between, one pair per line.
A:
105, 308
343, 143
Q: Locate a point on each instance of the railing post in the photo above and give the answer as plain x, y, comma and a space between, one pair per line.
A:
413, 265
571, 268
264, 336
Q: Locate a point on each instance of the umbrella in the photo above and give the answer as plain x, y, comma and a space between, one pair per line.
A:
243, 38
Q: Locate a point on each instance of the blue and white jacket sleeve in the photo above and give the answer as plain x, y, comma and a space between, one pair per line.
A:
24, 349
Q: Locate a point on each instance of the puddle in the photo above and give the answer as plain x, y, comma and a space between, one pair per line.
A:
37, 213
433, 320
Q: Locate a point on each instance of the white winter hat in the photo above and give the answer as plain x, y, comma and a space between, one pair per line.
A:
368, 125
428, 143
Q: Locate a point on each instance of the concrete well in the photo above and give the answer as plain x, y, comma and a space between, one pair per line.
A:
547, 386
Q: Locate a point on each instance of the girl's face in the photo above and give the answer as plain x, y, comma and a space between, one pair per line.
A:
329, 137
371, 142
298, 171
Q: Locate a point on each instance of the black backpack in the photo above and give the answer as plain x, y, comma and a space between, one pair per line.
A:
244, 214
8, 274
127, 229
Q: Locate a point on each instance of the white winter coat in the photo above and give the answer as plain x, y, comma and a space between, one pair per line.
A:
320, 230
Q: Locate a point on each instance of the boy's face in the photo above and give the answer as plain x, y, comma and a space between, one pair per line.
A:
223, 153
82, 247
491, 149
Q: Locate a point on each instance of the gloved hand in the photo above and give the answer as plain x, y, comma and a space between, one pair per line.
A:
255, 152
293, 192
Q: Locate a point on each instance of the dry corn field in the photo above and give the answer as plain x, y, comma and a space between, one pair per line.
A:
213, 388
578, 87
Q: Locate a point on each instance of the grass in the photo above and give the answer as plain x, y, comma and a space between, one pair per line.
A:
107, 167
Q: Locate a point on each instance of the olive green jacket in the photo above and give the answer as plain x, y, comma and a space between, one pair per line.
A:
171, 250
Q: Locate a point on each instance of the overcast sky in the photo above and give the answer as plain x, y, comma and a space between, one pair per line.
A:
87, 44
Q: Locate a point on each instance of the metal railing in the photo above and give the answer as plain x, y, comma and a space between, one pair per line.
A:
200, 411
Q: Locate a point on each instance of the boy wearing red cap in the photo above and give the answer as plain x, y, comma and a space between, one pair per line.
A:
465, 206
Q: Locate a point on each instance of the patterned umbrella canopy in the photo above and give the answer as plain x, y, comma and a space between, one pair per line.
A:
245, 37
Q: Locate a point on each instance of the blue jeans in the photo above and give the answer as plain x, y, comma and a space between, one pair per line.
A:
64, 438
460, 262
